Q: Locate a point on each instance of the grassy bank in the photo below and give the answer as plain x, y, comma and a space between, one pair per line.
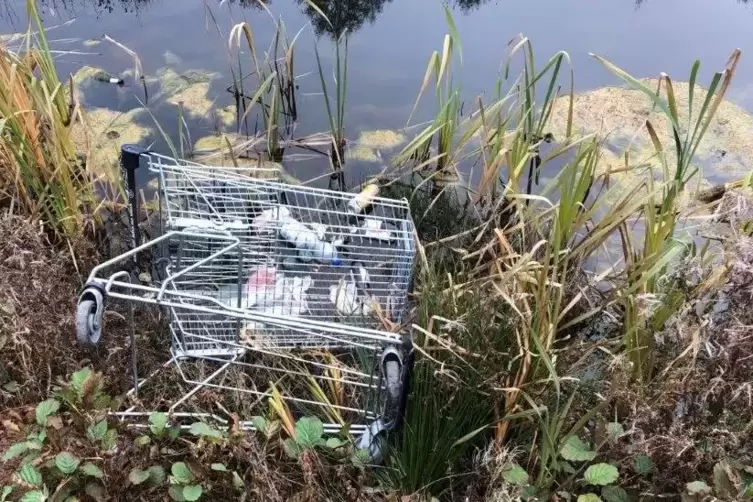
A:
541, 373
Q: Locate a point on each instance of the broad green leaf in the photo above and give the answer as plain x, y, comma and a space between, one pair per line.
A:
79, 378
576, 450
361, 457
92, 470
204, 430
34, 496
181, 473
5, 493
308, 432
15, 450
192, 492
515, 474
614, 494
589, 497
601, 474
30, 475
218, 467
110, 439
292, 449
67, 462
259, 423
615, 430
334, 443
142, 441
11, 387
96, 491
157, 423
643, 465
157, 475
138, 476
45, 409
176, 493
97, 431
697, 488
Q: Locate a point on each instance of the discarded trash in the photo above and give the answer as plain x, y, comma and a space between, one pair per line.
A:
344, 296
373, 230
363, 199
108, 79
310, 246
266, 220
363, 275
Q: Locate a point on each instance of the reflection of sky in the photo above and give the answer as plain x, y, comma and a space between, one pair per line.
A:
388, 57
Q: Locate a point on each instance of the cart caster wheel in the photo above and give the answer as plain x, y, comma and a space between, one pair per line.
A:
392, 371
89, 316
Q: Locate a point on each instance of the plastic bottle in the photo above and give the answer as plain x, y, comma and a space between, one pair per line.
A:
308, 243
363, 199
104, 77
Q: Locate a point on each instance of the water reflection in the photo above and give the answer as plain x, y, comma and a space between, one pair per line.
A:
344, 15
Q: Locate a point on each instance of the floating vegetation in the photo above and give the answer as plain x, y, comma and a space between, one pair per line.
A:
619, 115
102, 131
381, 139
362, 153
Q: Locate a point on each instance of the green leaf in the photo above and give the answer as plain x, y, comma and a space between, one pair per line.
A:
181, 473
142, 441
15, 450
219, 467
615, 430
79, 378
292, 449
589, 497
176, 493
157, 475
576, 450
97, 431
260, 424
192, 492
92, 470
515, 474
138, 476
157, 423
698, 488
361, 458
238, 481
30, 475
643, 465
67, 462
204, 430
13, 386
308, 432
614, 494
601, 474
334, 443
96, 491
724, 481
45, 409
6, 492
110, 439
34, 496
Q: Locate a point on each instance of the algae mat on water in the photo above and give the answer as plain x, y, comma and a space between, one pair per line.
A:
619, 114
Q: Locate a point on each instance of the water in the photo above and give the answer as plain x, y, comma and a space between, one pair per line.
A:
390, 43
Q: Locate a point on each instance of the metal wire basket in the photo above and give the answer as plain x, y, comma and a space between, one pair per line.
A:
273, 290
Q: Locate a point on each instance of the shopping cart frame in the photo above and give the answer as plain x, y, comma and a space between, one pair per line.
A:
396, 360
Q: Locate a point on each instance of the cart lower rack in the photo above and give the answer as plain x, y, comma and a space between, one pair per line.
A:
273, 292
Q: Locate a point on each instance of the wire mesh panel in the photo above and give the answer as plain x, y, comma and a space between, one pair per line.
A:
305, 252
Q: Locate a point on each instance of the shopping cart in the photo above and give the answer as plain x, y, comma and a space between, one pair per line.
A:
273, 291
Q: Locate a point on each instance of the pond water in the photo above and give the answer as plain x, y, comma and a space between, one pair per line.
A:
390, 42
